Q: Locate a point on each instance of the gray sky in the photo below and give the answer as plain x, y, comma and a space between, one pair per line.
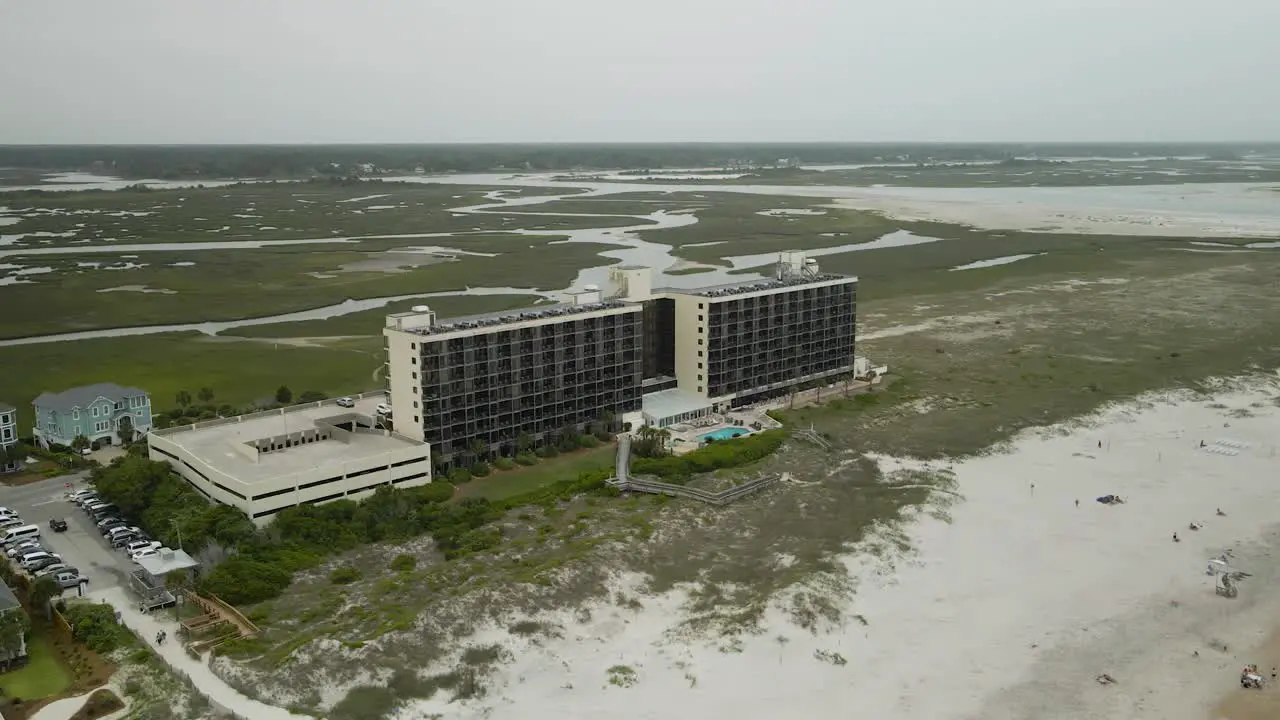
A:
241, 71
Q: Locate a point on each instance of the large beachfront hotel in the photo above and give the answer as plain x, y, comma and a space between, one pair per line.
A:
631, 353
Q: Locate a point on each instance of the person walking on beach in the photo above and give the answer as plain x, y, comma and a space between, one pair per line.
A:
1077, 502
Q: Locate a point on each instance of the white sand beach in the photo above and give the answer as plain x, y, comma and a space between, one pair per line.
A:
1011, 610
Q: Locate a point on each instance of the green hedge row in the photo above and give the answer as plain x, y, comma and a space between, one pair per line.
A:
712, 456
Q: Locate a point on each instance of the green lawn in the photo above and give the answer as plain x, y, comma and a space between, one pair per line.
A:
42, 677
501, 485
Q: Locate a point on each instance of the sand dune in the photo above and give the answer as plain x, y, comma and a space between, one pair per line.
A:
1009, 611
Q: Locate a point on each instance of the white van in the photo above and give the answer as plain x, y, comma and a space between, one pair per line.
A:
20, 533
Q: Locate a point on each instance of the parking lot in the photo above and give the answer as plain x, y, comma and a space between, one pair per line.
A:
81, 546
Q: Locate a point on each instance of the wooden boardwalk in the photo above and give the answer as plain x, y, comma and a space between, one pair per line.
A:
624, 481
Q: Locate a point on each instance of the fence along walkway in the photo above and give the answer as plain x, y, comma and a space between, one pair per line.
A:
624, 482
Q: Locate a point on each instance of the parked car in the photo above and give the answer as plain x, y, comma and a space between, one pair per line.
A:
43, 563
107, 527
122, 540
26, 561
140, 545
54, 568
18, 547
70, 579
12, 522
87, 499
144, 553
384, 409
78, 495
108, 509
7, 513
346, 402
57, 524
121, 530
21, 548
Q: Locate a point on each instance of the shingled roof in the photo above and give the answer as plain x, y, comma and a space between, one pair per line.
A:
82, 396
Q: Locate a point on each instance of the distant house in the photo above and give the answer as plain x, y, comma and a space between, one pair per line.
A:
13, 646
94, 411
8, 434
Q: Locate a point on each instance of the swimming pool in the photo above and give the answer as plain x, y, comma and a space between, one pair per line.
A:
727, 433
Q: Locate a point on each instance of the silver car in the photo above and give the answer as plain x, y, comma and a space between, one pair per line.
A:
70, 579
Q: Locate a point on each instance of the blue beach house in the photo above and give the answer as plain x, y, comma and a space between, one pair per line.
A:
94, 411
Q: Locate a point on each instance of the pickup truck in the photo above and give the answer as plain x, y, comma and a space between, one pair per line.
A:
57, 525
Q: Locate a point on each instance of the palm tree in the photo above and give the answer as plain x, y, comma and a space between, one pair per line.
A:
206, 395
479, 451
524, 442
43, 591
183, 397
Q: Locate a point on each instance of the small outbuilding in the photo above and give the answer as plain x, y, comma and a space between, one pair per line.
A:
151, 580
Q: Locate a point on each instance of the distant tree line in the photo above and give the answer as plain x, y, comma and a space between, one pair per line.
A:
297, 161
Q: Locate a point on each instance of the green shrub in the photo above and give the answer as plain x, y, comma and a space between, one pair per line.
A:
503, 463
243, 580
459, 476
94, 624
547, 451
527, 459
588, 441
344, 575
404, 563
480, 469
437, 491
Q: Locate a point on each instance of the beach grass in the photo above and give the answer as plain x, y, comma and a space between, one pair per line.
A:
503, 484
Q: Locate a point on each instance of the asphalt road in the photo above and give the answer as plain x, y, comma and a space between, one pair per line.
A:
81, 546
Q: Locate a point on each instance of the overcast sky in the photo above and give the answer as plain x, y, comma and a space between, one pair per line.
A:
241, 71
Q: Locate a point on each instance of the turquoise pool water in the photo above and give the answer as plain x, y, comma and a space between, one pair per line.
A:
728, 433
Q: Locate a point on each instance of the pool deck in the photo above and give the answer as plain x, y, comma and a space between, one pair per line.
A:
687, 437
